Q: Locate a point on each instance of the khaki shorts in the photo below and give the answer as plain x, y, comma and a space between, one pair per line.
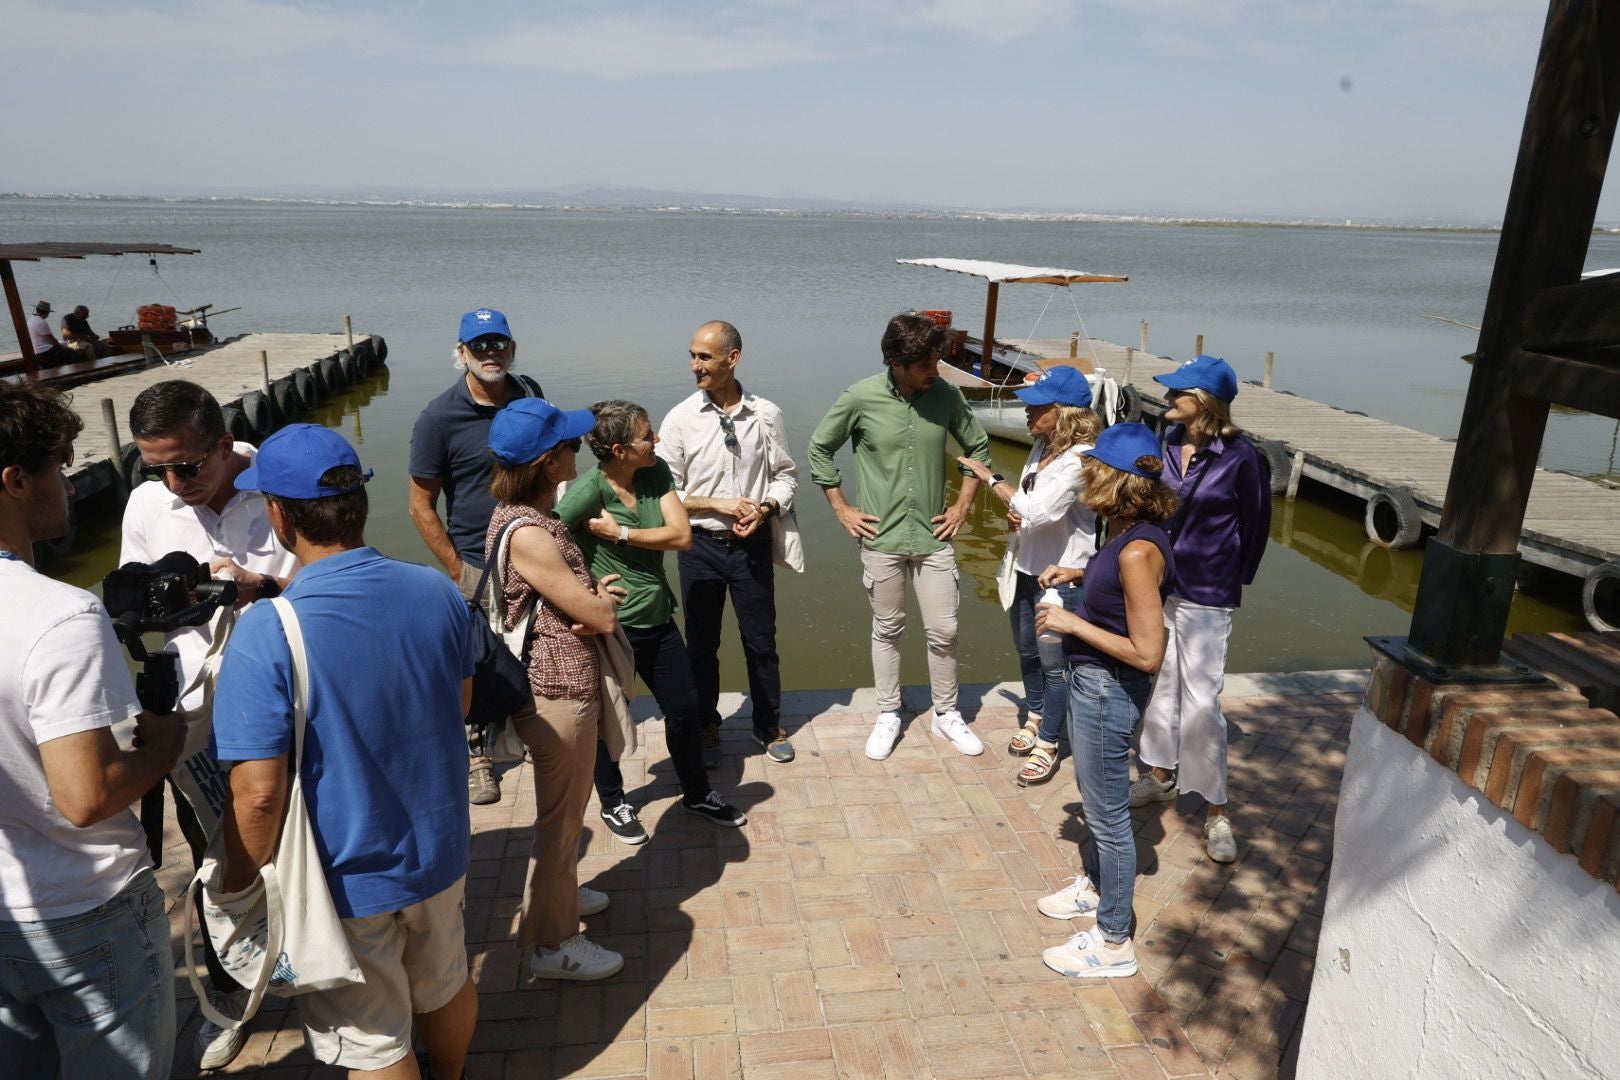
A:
414, 961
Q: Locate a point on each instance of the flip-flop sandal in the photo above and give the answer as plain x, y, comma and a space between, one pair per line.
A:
1025, 738
1040, 765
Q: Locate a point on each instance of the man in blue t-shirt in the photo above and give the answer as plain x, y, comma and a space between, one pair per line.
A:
450, 455
390, 657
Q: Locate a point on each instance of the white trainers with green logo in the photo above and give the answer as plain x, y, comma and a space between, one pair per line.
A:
578, 959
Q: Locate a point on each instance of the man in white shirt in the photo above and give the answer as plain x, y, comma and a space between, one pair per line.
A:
727, 451
86, 977
47, 350
190, 503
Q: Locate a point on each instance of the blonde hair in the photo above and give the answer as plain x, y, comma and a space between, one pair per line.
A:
1214, 417
1074, 425
1115, 493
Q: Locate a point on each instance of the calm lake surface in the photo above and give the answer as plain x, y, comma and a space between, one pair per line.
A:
603, 304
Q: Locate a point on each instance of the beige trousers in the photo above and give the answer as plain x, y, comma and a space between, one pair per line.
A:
561, 735
934, 579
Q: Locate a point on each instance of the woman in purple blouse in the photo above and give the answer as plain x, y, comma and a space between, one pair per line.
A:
1219, 534
1112, 646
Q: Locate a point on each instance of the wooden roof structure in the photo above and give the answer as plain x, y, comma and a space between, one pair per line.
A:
34, 252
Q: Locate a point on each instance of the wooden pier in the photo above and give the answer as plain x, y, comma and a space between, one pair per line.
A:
1572, 525
261, 380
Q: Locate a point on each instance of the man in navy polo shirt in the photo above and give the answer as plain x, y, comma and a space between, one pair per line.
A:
390, 662
450, 454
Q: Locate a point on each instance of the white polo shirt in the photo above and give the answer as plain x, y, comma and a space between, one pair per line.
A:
156, 522
61, 672
39, 333
693, 441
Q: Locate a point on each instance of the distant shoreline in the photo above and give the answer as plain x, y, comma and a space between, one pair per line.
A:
1184, 220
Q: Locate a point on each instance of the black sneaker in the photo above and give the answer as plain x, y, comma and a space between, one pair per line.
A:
715, 810
622, 822
776, 745
711, 746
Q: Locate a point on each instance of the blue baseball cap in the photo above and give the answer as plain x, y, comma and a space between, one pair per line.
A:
291, 463
1208, 373
475, 324
1122, 445
1059, 385
528, 427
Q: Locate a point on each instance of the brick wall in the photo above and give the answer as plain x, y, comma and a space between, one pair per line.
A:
1541, 753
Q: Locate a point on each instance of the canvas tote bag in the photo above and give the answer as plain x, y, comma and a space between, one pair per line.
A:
787, 547
280, 935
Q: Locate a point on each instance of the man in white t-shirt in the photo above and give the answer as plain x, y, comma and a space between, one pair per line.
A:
47, 350
190, 503
86, 975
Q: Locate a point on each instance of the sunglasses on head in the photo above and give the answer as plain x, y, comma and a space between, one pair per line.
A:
183, 470
730, 428
488, 344
1028, 483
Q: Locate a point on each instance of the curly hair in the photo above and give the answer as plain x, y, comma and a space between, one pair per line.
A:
616, 423
37, 428
1075, 425
911, 339
1115, 493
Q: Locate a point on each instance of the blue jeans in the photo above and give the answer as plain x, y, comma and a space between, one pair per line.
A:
1104, 706
91, 995
1042, 667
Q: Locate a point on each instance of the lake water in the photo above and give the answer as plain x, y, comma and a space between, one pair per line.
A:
603, 304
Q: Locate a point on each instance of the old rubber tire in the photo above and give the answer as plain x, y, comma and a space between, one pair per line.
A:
1130, 404
129, 466
317, 377
309, 394
236, 422
379, 356
353, 372
1279, 461
1600, 596
259, 414
1392, 519
332, 371
284, 396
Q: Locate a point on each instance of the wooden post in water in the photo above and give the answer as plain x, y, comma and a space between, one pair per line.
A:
348, 330
1271, 358
1141, 341
1295, 472
115, 446
1130, 357
264, 373
1074, 344
1198, 345
989, 346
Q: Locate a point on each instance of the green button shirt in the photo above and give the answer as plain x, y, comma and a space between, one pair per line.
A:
899, 456
649, 602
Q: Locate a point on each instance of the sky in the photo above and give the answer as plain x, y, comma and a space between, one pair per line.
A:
1326, 109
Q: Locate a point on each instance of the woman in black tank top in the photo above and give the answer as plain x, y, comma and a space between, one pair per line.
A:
1113, 647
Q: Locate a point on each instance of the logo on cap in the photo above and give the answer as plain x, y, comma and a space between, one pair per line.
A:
483, 315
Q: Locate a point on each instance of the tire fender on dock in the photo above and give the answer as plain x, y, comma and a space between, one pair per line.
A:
1280, 462
284, 396
1130, 405
353, 371
331, 369
1600, 596
236, 422
260, 417
309, 394
129, 465
1392, 519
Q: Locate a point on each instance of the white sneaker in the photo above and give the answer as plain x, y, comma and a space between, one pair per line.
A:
880, 744
950, 725
1085, 956
1149, 788
577, 958
1077, 898
1218, 839
217, 1047
592, 901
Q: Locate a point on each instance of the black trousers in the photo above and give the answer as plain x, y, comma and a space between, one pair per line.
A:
709, 570
662, 663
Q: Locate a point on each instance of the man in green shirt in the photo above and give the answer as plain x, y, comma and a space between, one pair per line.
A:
897, 422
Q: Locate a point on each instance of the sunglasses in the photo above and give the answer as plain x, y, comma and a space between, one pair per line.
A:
730, 429
483, 345
1028, 483
183, 470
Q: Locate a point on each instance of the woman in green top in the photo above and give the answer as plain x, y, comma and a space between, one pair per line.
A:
626, 514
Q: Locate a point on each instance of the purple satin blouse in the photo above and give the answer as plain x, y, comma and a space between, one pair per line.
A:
1220, 536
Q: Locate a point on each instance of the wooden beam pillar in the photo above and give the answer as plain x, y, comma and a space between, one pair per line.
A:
990, 327
25, 341
1469, 569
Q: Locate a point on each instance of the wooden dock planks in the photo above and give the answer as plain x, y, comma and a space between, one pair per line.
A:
1571, 524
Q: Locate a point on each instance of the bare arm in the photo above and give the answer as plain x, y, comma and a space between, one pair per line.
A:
91, 777
1141, 569
425, 516
947, 525
536, 557
675, 534
253, 817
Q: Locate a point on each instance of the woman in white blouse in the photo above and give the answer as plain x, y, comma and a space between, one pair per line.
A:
1054, 535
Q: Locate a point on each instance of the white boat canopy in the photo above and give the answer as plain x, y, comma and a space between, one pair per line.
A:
1008, 273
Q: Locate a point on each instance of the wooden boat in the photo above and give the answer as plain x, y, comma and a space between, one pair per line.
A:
989, 387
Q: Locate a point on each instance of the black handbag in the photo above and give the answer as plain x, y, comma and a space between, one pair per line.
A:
500, 682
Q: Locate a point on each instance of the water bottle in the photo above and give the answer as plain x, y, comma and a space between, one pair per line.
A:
1050, 596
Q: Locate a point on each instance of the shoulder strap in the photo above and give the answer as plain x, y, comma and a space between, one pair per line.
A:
520, 631
500, 542
300, 662
530, 387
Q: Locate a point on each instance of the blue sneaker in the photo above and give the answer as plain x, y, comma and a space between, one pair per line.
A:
1086, 956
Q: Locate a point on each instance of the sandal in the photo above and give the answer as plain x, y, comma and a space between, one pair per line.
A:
1040, 765
1025, 738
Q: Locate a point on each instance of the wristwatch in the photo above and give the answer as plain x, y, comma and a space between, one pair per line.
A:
624, 535
997, 478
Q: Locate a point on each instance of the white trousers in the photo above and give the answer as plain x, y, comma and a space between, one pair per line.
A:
1183, 728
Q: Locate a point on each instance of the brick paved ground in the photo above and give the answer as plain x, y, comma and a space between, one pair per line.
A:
877, 918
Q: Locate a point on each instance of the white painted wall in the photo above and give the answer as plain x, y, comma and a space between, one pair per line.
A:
1456, 943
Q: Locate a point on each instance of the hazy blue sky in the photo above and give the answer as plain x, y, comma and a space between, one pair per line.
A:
1326, 108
